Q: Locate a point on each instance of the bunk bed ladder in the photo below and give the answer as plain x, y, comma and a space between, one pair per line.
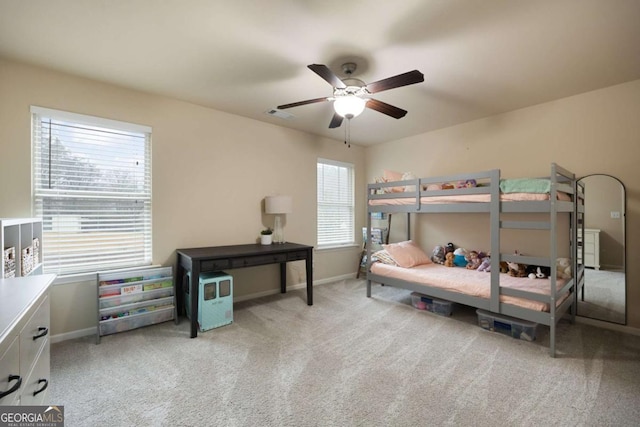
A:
494, 219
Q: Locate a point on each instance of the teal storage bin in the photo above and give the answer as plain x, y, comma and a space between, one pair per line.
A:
215, 300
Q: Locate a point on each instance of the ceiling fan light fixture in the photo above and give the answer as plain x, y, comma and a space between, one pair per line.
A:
349, 106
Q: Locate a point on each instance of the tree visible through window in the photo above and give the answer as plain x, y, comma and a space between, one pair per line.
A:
335, 203
92, 189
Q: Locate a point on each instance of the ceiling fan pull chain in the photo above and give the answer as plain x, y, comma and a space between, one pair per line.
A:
345, 134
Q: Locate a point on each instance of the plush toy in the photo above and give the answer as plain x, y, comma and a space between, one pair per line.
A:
437, 255
473, 260
516, 269
466, 184
449, 259
449, 248
504, 268
538, 272
460, 257
485, 265
563, 268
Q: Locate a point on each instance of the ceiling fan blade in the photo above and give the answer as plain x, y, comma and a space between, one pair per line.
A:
384, 108
336, 121
324, 72
297, 104
400, 80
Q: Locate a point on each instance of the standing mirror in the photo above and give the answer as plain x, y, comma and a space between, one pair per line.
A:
604, 294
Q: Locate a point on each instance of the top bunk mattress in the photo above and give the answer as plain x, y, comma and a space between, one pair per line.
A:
468, 198
471, 282
471, 188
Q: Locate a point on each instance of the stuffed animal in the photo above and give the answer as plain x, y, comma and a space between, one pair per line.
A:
460, 257
563, 268
449, 259
504, 267
485, 265
538, 272
466, 184
516, 269
449, 248
473, 260
437, 255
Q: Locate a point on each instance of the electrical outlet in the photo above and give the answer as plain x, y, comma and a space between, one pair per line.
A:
615, 215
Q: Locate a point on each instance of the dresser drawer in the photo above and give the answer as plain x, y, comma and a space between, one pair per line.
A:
34, 336
258, 260
10, 367
35, 389
293, 256
215, 265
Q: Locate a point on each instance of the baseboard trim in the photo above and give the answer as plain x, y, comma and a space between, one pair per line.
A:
608, 325
73, 334
92, 331
294, 287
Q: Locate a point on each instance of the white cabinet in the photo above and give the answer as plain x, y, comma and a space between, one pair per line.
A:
591, 243
20, 239
24, 340
134, 298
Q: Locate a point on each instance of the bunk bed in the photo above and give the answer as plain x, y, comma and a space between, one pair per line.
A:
553, 199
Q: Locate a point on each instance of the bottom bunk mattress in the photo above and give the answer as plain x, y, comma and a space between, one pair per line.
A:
471, 282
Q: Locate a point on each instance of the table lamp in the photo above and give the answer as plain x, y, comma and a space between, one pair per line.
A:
278, 205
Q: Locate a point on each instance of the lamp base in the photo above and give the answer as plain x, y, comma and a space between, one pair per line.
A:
278, 233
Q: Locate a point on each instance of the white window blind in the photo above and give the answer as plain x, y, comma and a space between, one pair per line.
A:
92, 189
335, 203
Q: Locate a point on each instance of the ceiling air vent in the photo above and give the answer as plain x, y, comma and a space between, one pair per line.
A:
279, 113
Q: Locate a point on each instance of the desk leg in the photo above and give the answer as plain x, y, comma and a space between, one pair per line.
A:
283, 277
309, 268
178, 291
195, 288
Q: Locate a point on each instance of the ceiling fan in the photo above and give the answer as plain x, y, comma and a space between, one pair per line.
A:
351, 95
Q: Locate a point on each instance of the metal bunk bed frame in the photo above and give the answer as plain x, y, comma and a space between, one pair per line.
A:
560, 180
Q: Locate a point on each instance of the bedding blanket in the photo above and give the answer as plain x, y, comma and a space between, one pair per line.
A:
525, 185
471, 282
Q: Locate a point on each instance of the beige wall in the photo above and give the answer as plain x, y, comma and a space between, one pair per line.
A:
211, 171
595, 132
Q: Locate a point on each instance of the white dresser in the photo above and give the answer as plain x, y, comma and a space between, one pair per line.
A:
591, 244
24, 340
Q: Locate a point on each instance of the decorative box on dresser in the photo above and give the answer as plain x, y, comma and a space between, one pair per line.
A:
20, 239
24, 340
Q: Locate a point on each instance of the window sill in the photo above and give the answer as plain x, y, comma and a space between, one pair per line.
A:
334, 247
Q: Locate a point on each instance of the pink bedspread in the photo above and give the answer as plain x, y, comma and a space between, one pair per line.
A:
471, 282
468, 198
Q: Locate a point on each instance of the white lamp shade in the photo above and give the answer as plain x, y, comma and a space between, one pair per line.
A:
349, 106
278, 204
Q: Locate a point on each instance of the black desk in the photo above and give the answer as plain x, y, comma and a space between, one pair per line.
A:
217, 258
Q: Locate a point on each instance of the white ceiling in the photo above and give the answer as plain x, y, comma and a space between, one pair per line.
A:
479, 58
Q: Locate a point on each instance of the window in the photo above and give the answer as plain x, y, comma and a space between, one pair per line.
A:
92, 189
335, 203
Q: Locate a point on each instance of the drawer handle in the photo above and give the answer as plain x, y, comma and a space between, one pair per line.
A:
15, 387
44, 387
43, 331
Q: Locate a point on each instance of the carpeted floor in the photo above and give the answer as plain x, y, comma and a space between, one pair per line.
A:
348, 360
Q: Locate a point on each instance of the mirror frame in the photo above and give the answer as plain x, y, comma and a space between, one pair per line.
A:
624, 255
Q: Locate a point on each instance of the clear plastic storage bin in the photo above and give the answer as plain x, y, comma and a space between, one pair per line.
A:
515, 328
424, 302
